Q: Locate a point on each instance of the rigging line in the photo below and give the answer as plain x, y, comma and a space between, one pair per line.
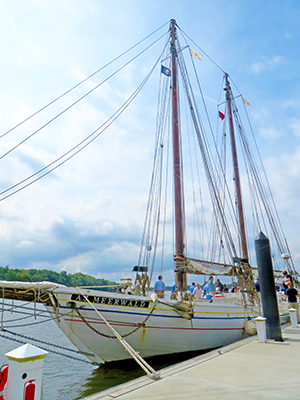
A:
111, 119
82, 97
49, 350
214, 139
264, 172
41, 341
28, 315
205, 155
264, 195
159, 122
84, 80
261, 162
40, 314
166, 190
261, 190
158, 208
40, 322
212, 133
201, 50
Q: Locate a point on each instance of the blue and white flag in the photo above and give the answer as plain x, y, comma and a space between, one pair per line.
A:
166, 71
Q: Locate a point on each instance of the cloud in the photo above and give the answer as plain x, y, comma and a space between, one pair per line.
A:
270, 133
267, 64
25, 244
295, 126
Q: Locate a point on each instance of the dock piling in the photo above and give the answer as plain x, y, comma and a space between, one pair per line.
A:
267, 287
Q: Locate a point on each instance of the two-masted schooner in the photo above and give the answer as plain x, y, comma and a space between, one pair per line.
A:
98, 322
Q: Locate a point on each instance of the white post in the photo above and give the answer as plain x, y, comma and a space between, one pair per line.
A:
24, 380
293, 317
261, 329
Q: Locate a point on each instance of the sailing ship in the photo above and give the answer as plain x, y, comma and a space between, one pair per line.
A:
107, 326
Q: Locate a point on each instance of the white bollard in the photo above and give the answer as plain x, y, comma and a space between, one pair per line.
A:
293, 317
24, 380
261, 329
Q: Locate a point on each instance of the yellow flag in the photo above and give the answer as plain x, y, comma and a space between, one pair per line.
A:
246, 102
195, 54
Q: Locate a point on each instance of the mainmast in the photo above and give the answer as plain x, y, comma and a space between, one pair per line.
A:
236, 174
179, 244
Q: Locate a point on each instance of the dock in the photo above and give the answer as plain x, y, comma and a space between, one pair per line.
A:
247, 369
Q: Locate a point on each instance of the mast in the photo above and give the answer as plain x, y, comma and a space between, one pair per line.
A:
179, 245
236, 173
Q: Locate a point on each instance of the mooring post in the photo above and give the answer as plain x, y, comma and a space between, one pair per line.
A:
261, 329
293, 317
24, 379
267, 287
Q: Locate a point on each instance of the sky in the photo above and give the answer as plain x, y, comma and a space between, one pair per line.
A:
87, 216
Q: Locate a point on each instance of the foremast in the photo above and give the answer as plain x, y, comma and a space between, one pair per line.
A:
177, 165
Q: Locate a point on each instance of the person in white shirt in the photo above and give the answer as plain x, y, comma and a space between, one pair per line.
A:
198, 292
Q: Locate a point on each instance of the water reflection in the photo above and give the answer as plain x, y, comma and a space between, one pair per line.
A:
115, 373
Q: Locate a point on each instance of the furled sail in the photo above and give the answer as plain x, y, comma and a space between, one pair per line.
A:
201, 267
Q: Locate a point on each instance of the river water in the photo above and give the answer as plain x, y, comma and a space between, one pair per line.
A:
67, 378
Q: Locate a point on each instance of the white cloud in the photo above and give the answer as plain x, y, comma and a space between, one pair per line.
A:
295, 126
25, 244
270, 132
267, 64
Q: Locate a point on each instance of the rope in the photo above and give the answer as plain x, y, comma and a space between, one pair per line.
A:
104, 126
42, 341
49, 350
143, 364
84, 80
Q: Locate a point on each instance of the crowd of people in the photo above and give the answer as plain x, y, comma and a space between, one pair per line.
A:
215, 288
212, 288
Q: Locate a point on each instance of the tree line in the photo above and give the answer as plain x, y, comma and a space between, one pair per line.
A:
39, 275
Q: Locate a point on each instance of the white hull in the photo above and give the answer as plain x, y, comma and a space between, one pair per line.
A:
165, 332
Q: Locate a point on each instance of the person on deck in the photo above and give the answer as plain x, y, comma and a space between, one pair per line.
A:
198, 292
174, 292
174, 288
291, 295
211, 286
257, 285
192, 287
287, 278
160, 287
226, 290
233, 288
219, 286
205, 287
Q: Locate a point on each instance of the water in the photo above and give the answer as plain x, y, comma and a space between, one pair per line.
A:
65, 378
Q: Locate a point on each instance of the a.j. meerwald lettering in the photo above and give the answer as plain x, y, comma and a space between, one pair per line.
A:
112, 301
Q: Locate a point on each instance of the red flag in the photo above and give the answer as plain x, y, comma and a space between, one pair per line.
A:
221, 115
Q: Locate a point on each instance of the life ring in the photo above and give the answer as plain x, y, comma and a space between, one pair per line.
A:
3, 380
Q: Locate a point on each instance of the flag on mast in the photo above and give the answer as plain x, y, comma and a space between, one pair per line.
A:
166, 71
195, 54
221, 115
246, 102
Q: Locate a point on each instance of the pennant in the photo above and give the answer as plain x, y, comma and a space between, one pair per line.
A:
246, 102
166, 71
221, 115
195, 54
